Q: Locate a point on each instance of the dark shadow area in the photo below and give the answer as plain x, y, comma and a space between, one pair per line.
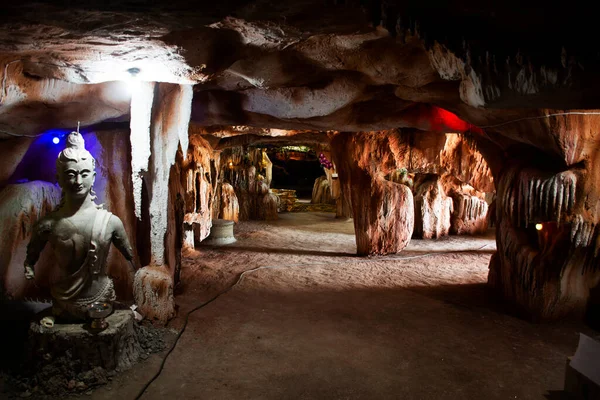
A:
15, 317
471, 296
295, 170
559, 395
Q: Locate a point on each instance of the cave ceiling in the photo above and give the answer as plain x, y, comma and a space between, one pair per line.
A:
267, 66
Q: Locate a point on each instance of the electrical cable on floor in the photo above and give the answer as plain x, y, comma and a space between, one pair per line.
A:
239, 280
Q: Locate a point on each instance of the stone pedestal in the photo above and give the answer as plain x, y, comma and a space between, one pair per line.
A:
220, 233
72, 357
113, 348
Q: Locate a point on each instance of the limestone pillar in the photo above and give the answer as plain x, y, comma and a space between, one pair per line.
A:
383, 211
153, 288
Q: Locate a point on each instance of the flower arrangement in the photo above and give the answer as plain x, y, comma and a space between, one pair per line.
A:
325, 163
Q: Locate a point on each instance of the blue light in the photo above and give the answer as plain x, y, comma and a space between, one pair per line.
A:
55, 140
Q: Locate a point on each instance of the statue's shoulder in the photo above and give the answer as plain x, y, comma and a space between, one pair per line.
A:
114, 221
46, 224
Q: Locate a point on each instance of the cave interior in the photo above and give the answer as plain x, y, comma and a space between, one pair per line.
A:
409, 183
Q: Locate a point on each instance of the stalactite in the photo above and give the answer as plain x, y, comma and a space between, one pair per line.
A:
559, 202
141, 112
187, 93
531, 198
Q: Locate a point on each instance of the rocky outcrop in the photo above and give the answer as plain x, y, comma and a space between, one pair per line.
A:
470, 214
21, 205
230, 208
321, 193
153, 293
202, 190
432, 208
383, 211
546, 217
240, 169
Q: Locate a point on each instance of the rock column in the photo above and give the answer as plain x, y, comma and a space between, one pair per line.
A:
153, 287
383, 211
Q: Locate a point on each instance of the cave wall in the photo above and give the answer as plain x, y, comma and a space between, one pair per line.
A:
246, 170
551, 272
200, 178
349, 66
433, 208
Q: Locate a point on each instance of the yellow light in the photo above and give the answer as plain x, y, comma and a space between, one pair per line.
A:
539, 227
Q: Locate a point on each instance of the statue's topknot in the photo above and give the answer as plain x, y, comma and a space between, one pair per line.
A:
75, 141
74, 151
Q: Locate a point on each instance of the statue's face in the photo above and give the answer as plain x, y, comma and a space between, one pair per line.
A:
77, 178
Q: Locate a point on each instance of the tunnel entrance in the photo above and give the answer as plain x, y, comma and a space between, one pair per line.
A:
295, 168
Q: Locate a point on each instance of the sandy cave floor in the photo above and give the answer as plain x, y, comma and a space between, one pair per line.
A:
325, 324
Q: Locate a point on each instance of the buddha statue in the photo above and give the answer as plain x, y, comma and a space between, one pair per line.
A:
80, 233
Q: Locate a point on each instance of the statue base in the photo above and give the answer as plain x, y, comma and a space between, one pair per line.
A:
221, 233
76, 357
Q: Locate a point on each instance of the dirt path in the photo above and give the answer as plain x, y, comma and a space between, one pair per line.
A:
316, 322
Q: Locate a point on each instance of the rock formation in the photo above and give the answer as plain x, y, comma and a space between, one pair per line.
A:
496, 99
322, 191
21, 205
383, 219
230, 207
432, 208
239, 168
153, 292
470, 214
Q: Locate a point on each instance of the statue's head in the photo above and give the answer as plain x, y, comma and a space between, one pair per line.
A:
75, 168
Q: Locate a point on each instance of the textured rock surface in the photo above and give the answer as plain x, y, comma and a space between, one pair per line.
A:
230, 207
21, 206
432, 209
200, 179
116, 347
551, 272
247, 171
470, 214
170, 116
383, 219
321, 193
153, 293
519, 91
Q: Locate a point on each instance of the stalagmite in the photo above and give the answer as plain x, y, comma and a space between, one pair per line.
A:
229, 203
432, 208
